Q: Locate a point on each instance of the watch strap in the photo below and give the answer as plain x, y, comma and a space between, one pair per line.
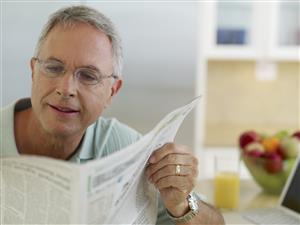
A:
193, 200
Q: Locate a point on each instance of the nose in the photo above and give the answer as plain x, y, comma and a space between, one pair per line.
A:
66, 86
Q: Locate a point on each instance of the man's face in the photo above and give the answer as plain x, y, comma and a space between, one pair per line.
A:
63, 106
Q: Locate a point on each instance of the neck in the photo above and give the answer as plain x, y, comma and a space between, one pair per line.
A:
43, 143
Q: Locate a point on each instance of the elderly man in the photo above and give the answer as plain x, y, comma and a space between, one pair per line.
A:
76, 71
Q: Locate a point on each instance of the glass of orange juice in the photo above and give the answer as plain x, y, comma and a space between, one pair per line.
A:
227, 182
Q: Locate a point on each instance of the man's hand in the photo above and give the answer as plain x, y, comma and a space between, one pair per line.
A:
174, 188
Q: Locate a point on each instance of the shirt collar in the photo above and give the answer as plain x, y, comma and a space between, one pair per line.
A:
83, 152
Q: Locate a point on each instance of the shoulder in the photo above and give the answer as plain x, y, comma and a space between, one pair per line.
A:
7, 113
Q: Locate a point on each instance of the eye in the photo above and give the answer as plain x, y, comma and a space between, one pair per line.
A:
87, 76
54, 68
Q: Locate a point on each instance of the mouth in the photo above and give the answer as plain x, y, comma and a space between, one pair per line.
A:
64, 110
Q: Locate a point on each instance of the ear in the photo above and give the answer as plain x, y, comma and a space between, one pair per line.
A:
32, 63
116, 87
114, 90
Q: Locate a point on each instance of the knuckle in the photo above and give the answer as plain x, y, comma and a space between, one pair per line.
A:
172, 147
194, 172
195, 161
169, 145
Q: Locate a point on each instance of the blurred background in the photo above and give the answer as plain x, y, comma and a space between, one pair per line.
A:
243, 57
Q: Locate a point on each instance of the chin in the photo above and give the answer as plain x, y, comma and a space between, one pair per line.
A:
63, 132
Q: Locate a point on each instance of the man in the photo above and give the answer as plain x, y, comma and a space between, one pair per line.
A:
76, 71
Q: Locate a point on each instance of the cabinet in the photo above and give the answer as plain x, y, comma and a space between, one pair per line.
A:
233, 37
251, 30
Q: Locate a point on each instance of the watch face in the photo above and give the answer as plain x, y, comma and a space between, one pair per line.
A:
193, 204
194, 209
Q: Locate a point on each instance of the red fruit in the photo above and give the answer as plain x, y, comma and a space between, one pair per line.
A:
297, 135
280, 152
247, 138
274, 163
255, 153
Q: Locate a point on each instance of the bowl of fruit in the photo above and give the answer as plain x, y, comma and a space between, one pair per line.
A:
269, 158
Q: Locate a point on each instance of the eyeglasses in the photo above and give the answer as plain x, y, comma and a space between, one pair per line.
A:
53, 68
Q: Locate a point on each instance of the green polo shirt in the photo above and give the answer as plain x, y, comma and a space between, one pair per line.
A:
102, 138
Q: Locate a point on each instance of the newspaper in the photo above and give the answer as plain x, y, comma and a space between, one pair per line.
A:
112, 190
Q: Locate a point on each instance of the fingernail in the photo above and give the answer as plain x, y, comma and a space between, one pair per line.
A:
152, 159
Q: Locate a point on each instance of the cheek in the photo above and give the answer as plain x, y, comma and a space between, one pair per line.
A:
41, 84
39, 89
35, 90
103, 94
96, 101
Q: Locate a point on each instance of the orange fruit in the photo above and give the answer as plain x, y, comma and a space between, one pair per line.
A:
271, 144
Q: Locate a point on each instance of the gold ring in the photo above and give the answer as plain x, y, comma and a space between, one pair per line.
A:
177, 170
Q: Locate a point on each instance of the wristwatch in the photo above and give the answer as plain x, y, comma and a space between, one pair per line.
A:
193, 199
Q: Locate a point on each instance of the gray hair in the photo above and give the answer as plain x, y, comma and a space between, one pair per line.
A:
71, 15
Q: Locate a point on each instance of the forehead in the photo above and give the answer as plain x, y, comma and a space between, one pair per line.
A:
77, 44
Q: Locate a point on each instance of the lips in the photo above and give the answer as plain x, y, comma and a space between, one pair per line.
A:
64, 109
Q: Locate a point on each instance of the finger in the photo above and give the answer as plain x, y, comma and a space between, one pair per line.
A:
170, 170
172, 159
167, 149
182, 183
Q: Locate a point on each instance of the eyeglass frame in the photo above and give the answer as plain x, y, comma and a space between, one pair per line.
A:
100, 77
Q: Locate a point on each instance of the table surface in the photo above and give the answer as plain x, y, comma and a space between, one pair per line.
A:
251, 196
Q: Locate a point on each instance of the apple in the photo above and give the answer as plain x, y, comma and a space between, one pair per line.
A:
296, 134
274, 162
280, 152
247, 138
290, 147
255, 154
288, 166
281, 134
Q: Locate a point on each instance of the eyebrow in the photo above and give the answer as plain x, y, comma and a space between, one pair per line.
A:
92, 68
55, 59
87, 66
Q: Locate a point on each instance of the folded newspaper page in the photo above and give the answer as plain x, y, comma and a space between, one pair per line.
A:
112, 190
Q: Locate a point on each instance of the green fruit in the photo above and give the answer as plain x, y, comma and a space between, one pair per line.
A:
264, 135
282, 134
288, 166
290, 147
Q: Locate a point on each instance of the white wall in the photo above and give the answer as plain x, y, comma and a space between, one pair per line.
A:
160, 57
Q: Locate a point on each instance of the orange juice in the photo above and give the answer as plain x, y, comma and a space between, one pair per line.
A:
227, 190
